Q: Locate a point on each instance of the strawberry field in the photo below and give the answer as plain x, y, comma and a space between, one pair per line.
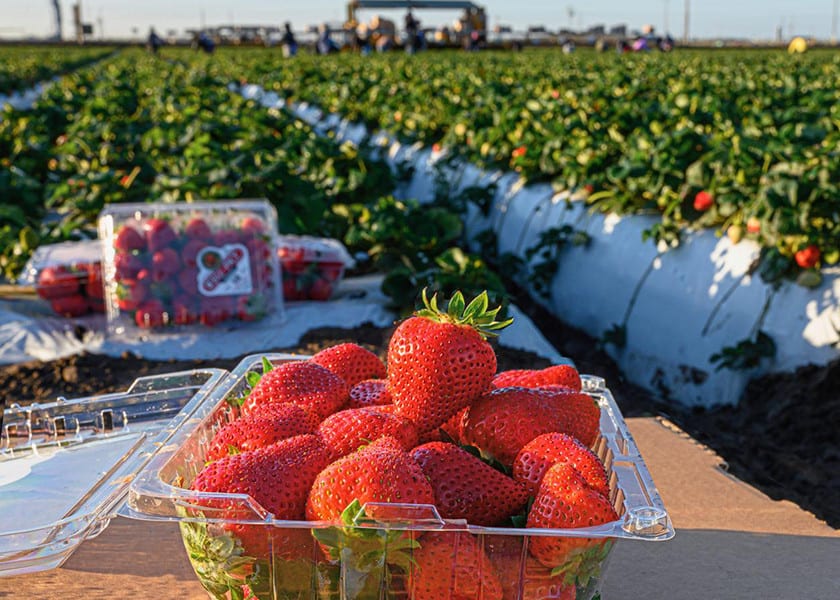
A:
22, 67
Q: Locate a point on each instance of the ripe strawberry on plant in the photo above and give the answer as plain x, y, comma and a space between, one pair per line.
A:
128, 239
703, 201
565, 501
261, 429
564, 375
545, 451
503, 421
379, 472
348, 430
300, 382
808, 257
370, 392
278, 477
467, 488
440, 362
159, 234
56, 281
452, 565
351, 362
74, 305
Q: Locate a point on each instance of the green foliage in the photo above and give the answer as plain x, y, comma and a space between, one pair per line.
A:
746, 354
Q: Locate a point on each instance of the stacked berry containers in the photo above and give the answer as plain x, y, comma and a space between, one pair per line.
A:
312, 266
239, 549
67, 276
204, 263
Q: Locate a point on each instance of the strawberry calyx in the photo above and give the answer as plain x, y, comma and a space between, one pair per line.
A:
476, 314
583, 564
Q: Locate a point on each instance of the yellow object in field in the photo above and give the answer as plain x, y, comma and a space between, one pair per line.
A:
797, 45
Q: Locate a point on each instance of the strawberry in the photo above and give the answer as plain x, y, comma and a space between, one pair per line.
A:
332, 271
503, 421
303, 383
320, 290
379, 472
347, 430
254, 431
351, 362
277, 477
452, 428
159, 234
184, 311
452, 565
252, 226
808, 257
56, 281
521, 575
132, 293
188, 280
129, 239
564, 375
127, 266
703, 201
70, 306
579, 415
165, 264
93, 282
565, 501
545, 451
215, 309
438, 362
197, 229
370, 392
190, 251
151, 313
226, 236
467, 488
251, 308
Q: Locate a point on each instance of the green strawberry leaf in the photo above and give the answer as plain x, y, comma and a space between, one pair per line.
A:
266, 365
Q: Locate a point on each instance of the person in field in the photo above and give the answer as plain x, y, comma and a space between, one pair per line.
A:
290, 45
154, 41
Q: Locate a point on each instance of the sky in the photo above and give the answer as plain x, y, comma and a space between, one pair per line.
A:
755, 19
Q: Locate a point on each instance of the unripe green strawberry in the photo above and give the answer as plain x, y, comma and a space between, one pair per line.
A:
439, 363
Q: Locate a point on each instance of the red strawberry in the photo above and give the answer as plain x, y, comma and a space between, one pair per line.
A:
226, 236
578, 414
564, 501
151, 313
320, 290
703, 201
96, 305
184, 311
127, 266
452, 427
70, 306
260, 430
190, 251
438, 362
132, 293
520, 574
452, 565
215, 310
370, 392
252, 226
347, 430
56, 281
808, 257
188, 280
380, 472
545, 451
467, 488
278, 477
197, 229
93, 281
351, 362
165, 263
332, 271
564, 375
159, 234
504, 420
129, 239
303, 383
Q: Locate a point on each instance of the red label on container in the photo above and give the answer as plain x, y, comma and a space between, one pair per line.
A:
224, 271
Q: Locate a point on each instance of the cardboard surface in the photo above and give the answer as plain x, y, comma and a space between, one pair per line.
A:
732, 542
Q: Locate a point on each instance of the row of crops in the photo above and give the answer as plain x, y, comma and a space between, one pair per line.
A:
23, 67
137, 128
744, 142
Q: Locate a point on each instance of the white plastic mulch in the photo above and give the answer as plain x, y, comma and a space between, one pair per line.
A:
29, 332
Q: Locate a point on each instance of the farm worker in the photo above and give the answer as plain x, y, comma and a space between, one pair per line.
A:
290, 46
325, 44
155, 42
361, 39
411, 26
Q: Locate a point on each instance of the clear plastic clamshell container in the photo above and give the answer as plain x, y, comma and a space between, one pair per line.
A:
65, 466
197, 264
369, 557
